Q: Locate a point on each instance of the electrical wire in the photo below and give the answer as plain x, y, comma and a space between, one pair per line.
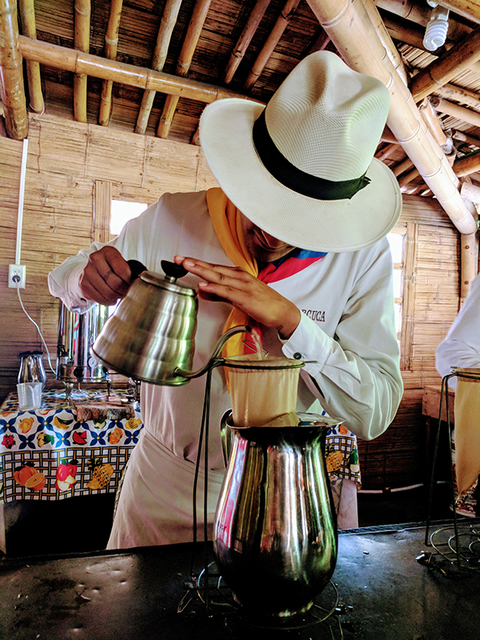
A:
38, 328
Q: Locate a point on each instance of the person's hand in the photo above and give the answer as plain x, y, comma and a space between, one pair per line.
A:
106, 276
245, 292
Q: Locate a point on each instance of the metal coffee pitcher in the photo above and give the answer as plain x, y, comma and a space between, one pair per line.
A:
31, 368
275, 530
151, 334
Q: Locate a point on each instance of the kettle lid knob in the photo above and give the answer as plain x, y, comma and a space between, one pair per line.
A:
173, 270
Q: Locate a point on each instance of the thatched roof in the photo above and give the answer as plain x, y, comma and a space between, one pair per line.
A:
150, 66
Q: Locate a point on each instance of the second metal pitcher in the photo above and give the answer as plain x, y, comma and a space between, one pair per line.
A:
275, 529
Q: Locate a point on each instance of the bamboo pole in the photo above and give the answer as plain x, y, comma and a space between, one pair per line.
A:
27, 16
467, 8
468, 262
361, 48
470, 192
81, 43
452, 92
431, 120
456, 111
184, 61
97, 67
387, 152
402, 167
408, 177
164, 36
391, 51
463, 137
441, 71
111, 42
280, 25
466, 166
244, 39
12, 88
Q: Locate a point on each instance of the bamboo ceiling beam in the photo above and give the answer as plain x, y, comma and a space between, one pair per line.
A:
466, 166
278, 29
244, 39
441, 71
164, 36
432, 121
391, 51
452, 92
456, 111
128, 74
27, 17
81, 43
194, 30
387, 151
359, 45
402, 167
408, 177
111, 43
12, 88
463, 137
467, 8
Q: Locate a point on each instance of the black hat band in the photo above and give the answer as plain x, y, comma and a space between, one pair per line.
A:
296, 179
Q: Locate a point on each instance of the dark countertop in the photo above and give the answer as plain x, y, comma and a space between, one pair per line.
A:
383, 593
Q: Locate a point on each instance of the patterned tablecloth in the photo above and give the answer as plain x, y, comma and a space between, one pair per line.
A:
66, 448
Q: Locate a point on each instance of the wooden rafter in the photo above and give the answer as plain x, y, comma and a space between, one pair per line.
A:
27, 16
184, 61
111, 43
167, 24
441, 71
244, 39
82, 43
280, 25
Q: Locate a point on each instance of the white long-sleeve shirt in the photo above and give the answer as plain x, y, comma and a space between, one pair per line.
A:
461, 346
347, 327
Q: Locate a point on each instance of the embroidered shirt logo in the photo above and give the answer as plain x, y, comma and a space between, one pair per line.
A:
314, 314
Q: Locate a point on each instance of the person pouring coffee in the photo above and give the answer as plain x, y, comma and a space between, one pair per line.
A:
293, 244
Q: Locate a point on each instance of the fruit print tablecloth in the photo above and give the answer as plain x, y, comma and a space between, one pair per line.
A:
48, 454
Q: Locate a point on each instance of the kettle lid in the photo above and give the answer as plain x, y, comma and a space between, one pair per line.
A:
172, 271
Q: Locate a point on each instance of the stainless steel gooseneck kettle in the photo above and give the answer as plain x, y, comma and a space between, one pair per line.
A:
151, 334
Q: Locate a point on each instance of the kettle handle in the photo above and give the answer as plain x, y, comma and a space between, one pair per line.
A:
136, 268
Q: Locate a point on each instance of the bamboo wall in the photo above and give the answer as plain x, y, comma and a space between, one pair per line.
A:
69, 165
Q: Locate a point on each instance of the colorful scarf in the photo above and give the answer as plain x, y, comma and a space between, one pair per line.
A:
227, 223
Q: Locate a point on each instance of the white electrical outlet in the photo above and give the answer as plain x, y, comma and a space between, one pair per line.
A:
16, 271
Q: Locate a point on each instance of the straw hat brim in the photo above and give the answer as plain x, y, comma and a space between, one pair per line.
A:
302, 221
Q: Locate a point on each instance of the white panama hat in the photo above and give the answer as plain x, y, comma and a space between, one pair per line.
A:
302, 168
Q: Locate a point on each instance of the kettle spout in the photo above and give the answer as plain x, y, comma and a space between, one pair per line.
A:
216, 352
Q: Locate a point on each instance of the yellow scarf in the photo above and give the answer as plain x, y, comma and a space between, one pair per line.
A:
227, 223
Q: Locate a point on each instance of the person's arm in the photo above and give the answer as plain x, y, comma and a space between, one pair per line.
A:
461, 346
356, 374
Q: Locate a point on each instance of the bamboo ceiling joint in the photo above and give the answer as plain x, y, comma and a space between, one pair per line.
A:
184, 61
27, 18
12, 88
441, 71
111, 43
82, 43
359, 45
164, 36
128, 74
280, 25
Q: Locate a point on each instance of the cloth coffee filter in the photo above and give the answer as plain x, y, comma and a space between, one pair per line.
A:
319, 135
467, 431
